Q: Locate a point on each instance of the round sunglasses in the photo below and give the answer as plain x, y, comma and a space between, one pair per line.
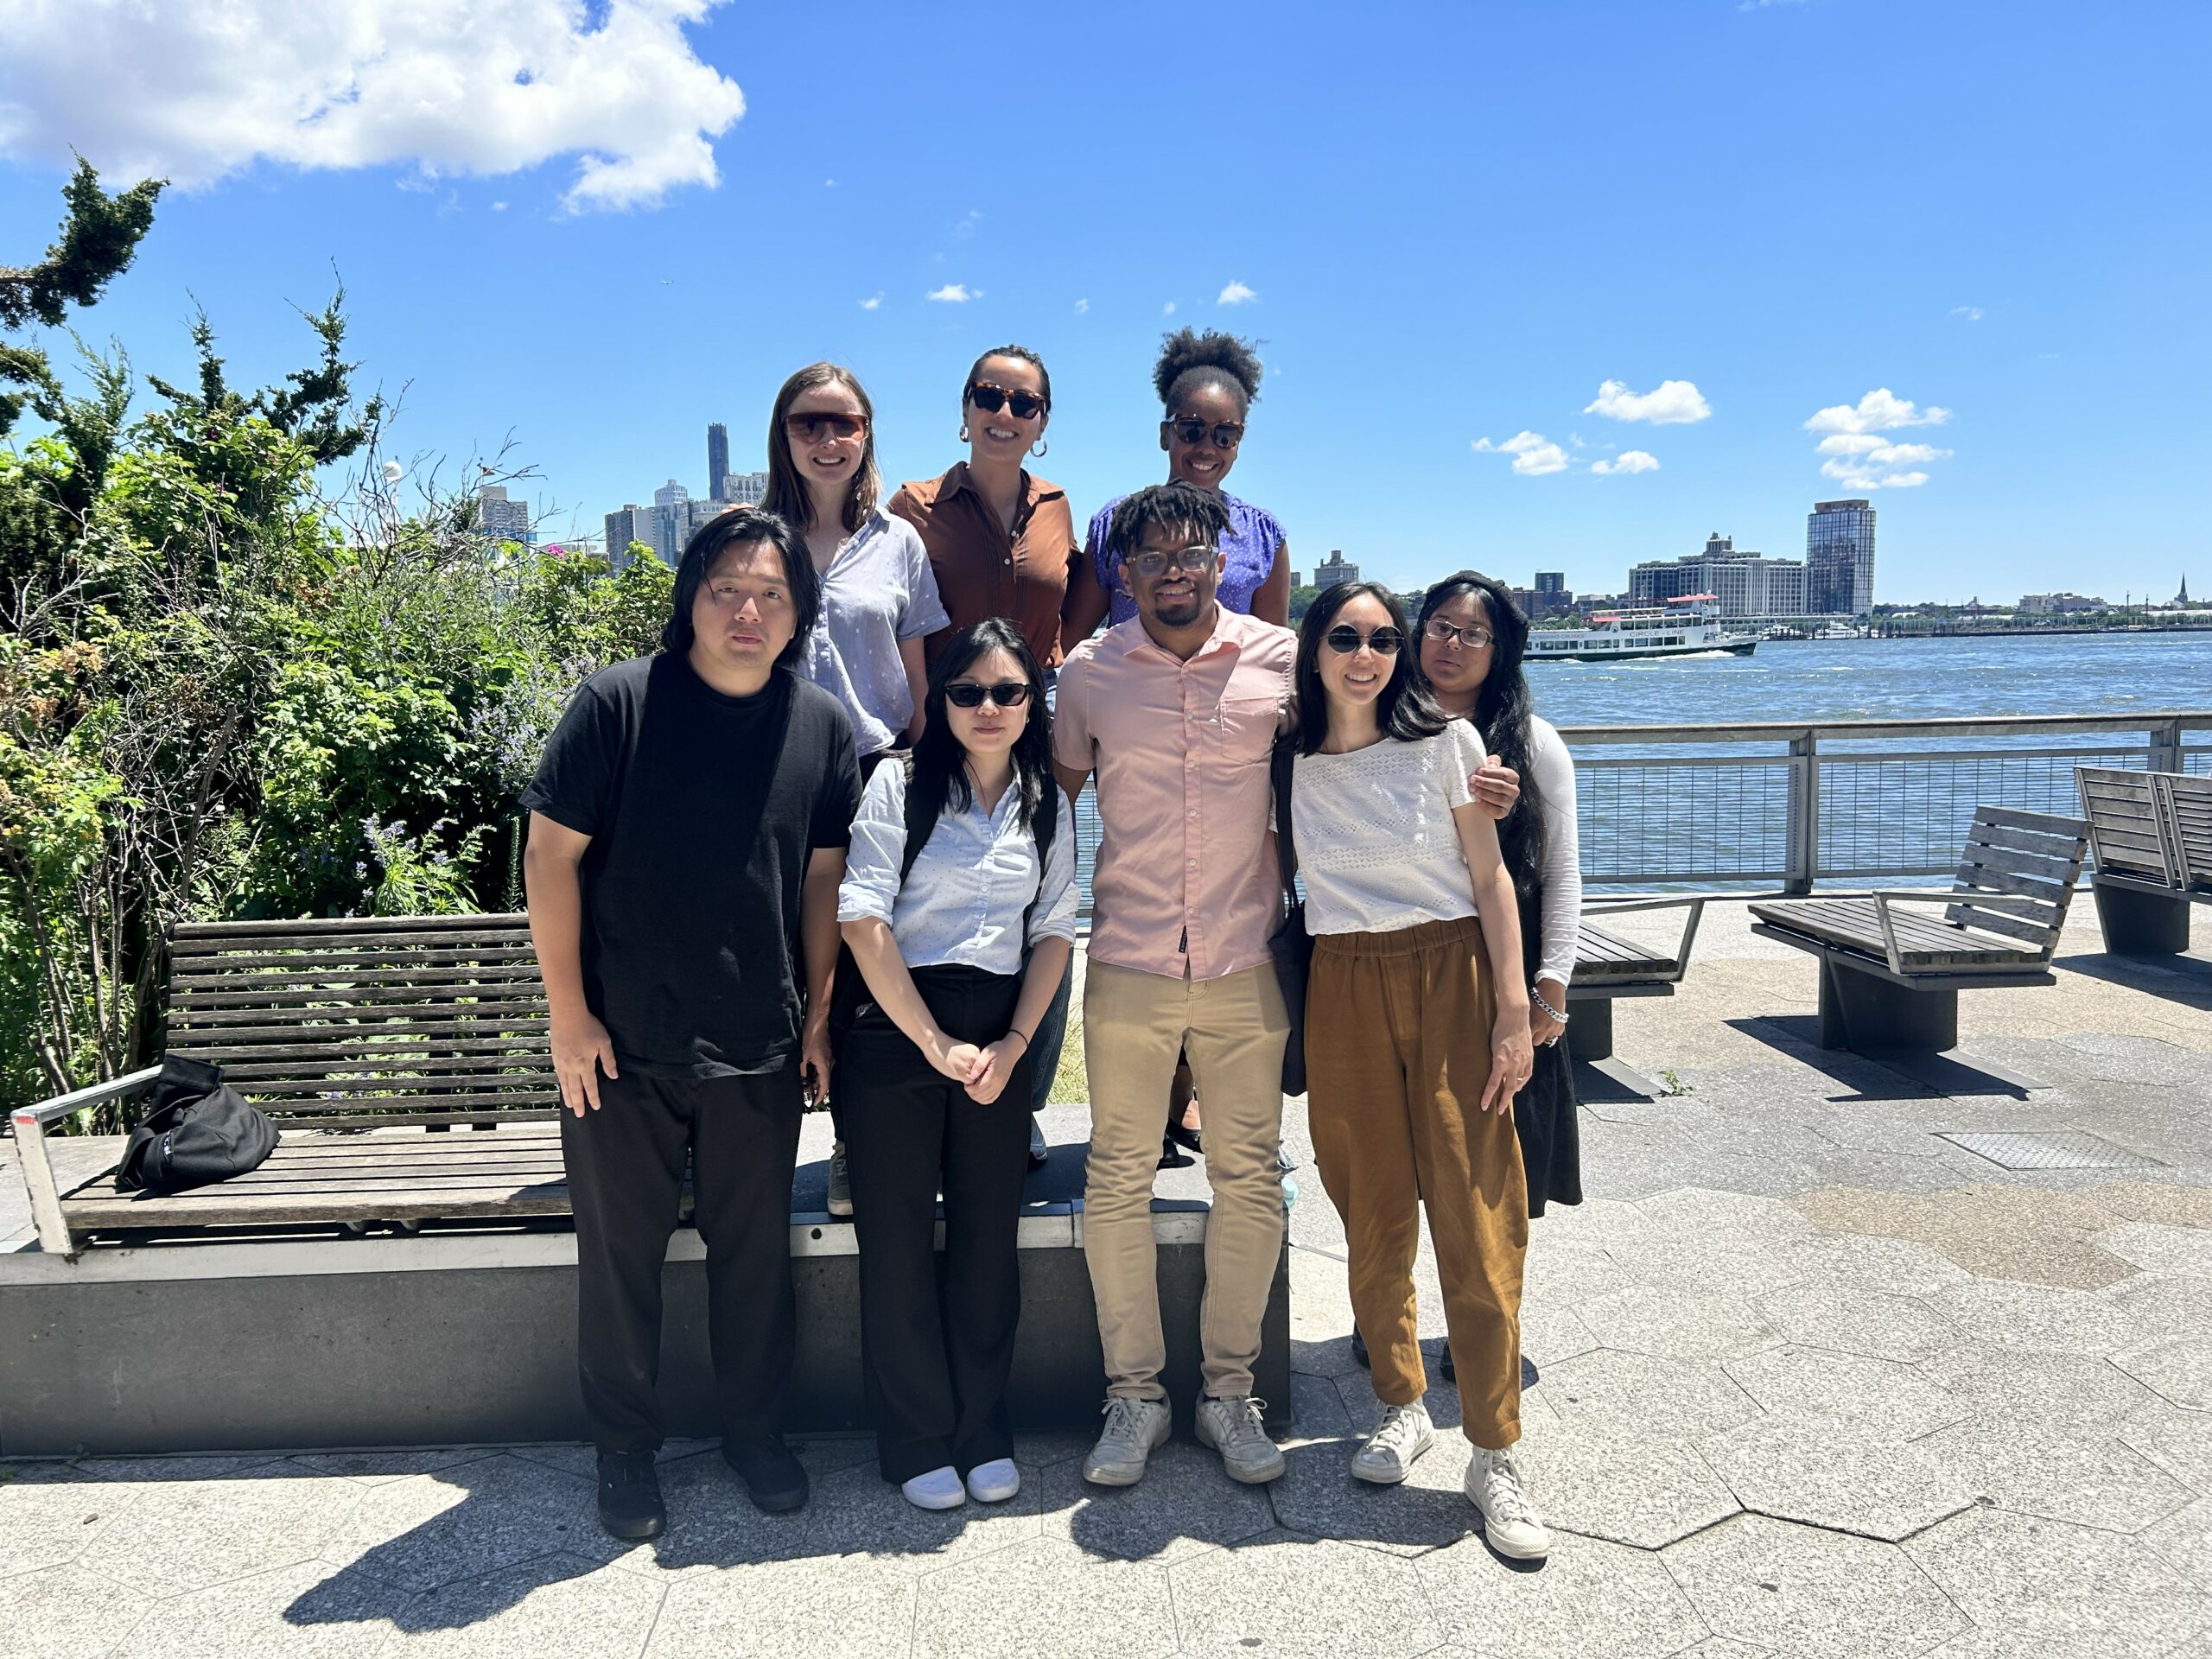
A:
1226, 435
1022, 405
967, 694
1345, 639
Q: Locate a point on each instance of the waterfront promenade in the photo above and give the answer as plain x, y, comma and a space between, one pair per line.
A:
1815, 1381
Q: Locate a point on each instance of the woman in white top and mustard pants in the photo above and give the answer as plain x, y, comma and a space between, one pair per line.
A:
1416, 1037
954, 874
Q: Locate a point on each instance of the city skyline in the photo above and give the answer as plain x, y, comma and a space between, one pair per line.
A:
1564, 289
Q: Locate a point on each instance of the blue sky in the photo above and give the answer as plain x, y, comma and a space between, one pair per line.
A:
1458, 223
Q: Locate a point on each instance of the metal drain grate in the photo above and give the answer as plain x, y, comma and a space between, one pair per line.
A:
2050, 1149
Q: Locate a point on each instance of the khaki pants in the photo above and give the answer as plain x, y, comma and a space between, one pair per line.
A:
1234, 1027
1398, 1051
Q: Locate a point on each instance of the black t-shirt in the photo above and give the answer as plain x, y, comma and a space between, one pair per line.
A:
702, 810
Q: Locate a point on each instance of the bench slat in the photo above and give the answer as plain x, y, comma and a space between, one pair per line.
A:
454, 1011
365, 993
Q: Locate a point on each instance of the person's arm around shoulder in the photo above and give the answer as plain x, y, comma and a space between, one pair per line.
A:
553, 882
1511, 1057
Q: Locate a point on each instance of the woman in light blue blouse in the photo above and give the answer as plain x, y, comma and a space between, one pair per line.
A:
960, 864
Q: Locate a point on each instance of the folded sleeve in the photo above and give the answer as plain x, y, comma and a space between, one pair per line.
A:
871, 883
575, 782
1464, 755
1562, 903
1054, 917
924, 611
1072, 713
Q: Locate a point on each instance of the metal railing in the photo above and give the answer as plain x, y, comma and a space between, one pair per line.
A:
1790, 804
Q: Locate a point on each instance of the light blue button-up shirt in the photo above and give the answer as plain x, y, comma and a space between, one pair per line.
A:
963, 901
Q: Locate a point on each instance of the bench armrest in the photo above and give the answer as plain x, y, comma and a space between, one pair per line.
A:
1694, 912
39, 1183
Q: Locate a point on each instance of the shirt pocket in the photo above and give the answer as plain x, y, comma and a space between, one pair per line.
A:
1244, 728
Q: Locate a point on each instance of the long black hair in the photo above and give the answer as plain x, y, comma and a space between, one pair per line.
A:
941, 765
744, 524
1405, 708
1502, 712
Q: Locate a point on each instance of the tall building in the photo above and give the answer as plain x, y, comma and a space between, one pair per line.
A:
744, 489
1743, 583
1335, 569
671, 520
717, 461
1551, 591
631, 524
500, 519
1840, 558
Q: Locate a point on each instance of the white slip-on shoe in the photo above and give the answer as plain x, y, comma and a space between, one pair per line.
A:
1387, 1457
1494, 1486
1133, 1429
994, 1482
1233, 1426
940, 1489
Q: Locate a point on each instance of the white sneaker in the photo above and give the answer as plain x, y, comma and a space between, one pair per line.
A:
940, 1489
1509, 1520
1133, 1429
841, 1181
1233, 1428
1387, 1457
994, 1482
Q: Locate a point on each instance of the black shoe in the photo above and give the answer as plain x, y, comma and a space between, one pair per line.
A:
1182, 1134
1450, 1373
1039, 1152
775, 1479
629, 1496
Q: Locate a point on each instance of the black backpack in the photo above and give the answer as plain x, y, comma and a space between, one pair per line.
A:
197, 1130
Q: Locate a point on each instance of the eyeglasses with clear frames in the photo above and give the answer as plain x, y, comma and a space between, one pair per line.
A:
1474, 636
1155, 563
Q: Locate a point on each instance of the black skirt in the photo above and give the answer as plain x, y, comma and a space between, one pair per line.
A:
1546, 1115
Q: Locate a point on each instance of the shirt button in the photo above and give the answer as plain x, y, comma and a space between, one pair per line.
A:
1194, 863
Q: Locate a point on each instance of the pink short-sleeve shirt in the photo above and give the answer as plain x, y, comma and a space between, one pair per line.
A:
1187, 883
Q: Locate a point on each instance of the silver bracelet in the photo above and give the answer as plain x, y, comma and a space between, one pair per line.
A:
1537, 997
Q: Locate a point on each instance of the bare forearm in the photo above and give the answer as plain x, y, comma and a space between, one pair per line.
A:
554, 892
1501, 918
817, 937
1040, 984
889, 980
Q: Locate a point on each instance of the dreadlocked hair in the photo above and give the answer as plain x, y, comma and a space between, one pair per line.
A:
1502, 712
1183, 506
1191, 360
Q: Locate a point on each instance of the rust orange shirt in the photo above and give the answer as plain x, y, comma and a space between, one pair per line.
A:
983, 572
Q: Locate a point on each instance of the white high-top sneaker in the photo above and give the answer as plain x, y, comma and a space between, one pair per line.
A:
1387, 1457
1494, 1486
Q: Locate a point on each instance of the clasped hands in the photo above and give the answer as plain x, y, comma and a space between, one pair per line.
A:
982, 1071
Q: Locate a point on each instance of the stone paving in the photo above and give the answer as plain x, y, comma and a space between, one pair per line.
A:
1815, 1382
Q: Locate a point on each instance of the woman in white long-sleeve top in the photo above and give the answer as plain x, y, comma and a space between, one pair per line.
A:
961, 871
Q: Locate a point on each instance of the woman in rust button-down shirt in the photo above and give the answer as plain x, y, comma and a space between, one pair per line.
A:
1002, 542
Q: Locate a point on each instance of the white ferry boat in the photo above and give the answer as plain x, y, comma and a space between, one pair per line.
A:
1682, 627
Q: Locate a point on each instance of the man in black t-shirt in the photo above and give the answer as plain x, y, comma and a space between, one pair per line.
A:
688, 830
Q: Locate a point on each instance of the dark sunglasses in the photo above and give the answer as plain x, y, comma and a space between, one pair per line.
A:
1227, 435
1022, 405
813, 429
1345, 639
966, 694
1149, 565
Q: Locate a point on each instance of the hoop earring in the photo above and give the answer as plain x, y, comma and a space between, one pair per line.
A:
1038, 448
964, 431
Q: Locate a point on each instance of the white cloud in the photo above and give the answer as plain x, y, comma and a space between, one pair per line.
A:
955, 294
1673, 403
1629, 460
1880, 411
829, 184
966, 226
1082, 306
1534, 454
499, 207
1971, 313
1575, 438
1168, 310
870, 305
195, 90
1235, 293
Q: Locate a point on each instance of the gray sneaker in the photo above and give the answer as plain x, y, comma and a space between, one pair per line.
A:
841, 1181
1233, 1428
1509, 1520
1133, 1429
1387, 1457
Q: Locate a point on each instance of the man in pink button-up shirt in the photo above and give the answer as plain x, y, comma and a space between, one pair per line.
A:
1176, 712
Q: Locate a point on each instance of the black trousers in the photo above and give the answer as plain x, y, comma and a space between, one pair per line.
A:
936, 1337
625, 1176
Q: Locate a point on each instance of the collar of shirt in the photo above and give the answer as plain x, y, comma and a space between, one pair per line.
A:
956, 481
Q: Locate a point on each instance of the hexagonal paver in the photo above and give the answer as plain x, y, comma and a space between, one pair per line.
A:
2179, 1368
2161, 1305
1884, 1398
2029, 1577
1563, 1274
2159, 1249
857, 1512
2178, 1441
375, 1468
49, 1512
1713, 1211
1590, 1598
1183, 1505
2004, 1644
1833, 1473
2042, 1470
2040, 1318
1649, 1319
2185, 1538
1550, 1333
1824, 1595
1317, 1495
557, 1607
309, 1605
1636, 1394
66, 1613
1301, 1596
1623, 1488
1878, 1266
1719, 1647
237, 1526
425, 1530
712, 1523
2089, 1396
1693, 1266
1846, 1319
1071, 1605
773, 1610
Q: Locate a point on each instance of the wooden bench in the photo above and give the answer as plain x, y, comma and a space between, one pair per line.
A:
1608, 966
423, 1039
1891, 974
2152, 835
